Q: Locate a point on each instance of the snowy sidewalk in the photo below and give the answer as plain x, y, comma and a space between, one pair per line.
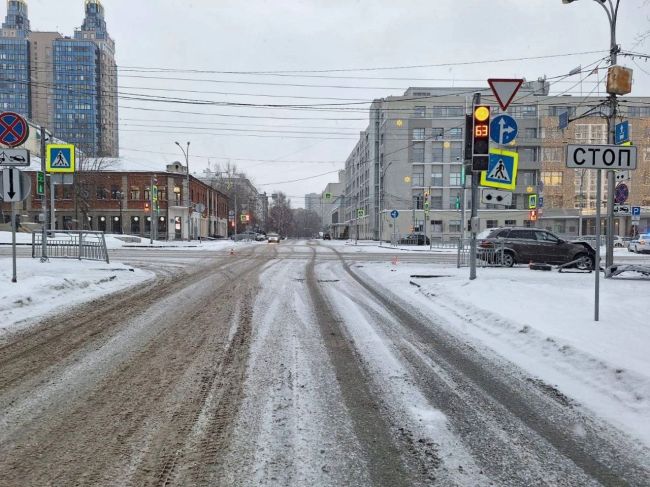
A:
44, 289
543, 322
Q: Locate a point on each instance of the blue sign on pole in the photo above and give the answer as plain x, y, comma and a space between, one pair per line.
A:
503, 129
622, 132
636, 211
394, 214
564, 120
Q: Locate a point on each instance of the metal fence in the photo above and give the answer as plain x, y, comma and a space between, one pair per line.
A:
494, 256
71, 244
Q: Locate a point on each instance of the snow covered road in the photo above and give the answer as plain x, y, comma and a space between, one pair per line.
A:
289, 365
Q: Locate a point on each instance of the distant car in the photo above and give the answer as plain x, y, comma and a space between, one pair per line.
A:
641, 244
520, 245
260, 237
327, 236
273, 238
249, 235
414, 239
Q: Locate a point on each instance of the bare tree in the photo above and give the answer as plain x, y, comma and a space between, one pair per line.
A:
280, 214
88, 180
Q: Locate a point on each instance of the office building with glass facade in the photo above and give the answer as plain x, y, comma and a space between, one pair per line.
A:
67, 84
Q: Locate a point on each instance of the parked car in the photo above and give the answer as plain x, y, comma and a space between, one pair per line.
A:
414, 239
260, 237
327, 236
248, 235
520, 245
640, 245
273, 238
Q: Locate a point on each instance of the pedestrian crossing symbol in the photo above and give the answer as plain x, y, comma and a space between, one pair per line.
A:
502, 170
60, 158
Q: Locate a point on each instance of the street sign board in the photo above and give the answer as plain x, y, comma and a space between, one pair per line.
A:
621, 194
563, 120
636, 211
540, 202
622, 210
496, 197
622, 132
14, 129
532, 201
503, 129
361, 213
60, 158
14, 158
601, 156
14, 185
504, 90
502, 170
328, 196
394, 214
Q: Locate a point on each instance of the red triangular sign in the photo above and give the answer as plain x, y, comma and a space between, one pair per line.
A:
504, 90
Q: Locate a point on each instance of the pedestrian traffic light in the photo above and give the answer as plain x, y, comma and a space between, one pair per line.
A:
40, 183
480, 137
532, 215
458, 202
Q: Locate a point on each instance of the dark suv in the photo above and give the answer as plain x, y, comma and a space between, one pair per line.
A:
512, 245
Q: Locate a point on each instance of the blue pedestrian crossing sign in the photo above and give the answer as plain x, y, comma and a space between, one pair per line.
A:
503, 129
622, 132
394, 214
502, 170
60, 158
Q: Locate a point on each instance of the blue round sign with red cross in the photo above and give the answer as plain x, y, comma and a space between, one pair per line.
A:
14, 129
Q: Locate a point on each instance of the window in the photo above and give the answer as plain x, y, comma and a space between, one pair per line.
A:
523, 111
528, 154
491, 223
447, 112
418, 201
546, 237
418, 134
527, 178
523, 234
638, 111
530, 133
646, 154
454, 201
511, 223
455, 226
436, 226
436, 202
455, 133
420, 112
551, 154
551, 133
101, 193
455, 177
456, 152
418, 176
437, 133
436, 176
556, 111
135, 193
437, 152
552, 178
418, 152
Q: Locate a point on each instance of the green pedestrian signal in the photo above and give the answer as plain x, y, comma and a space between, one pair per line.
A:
40, 183
328, 196
457, 202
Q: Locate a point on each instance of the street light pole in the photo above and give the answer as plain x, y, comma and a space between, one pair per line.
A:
612, 16
188, 203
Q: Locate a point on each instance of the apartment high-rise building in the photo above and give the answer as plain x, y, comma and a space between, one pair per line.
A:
410, 159
67, 84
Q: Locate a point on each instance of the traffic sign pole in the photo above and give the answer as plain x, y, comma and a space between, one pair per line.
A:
44, 198
475, 198
599, 182
13, 241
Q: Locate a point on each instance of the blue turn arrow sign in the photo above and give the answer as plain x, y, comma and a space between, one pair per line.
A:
503, 129
622, 132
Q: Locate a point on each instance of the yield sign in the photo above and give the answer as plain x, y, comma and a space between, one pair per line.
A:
504, 90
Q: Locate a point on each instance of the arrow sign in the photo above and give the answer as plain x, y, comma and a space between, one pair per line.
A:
504, 90
503, 129
13, 186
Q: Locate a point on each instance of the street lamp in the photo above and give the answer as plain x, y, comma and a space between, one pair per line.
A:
611, 9
186, 153
120, 197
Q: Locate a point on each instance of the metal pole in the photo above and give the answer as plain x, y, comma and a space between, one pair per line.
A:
13, 241
599, 180
472, 247
611, 183
189, 201
44, 198
152, 210
52, 211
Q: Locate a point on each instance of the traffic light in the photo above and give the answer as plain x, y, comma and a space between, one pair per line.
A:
458, 202
480, 137
40, 183
532, 215
147, 207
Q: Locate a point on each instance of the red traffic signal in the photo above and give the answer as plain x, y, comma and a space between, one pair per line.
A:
532, 215
147, 207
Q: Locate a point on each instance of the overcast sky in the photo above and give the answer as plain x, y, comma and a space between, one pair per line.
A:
274, 145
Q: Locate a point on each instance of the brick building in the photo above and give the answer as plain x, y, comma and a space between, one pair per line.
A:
119, 202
